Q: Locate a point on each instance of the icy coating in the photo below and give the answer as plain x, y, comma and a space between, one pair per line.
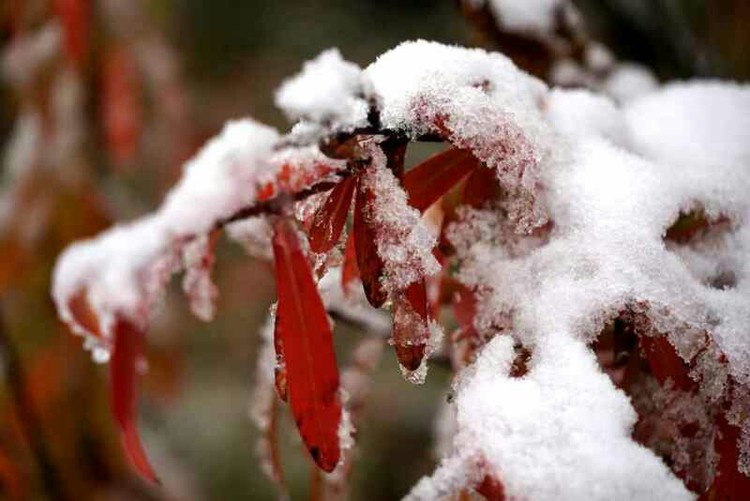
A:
329, 90
618, 181
124, 270
403, 240
609, 178
535, 16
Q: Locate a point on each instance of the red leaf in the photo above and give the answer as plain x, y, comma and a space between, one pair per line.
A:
664, 362
431, 179
121, 105
330, 218
729, 483
302, 323
123, 374
368, 260
491, 488
481, 185
349, 271
82, 313
12, 479
74, 15
465, 340
411, 327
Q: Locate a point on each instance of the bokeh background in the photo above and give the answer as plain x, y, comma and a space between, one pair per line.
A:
100, 103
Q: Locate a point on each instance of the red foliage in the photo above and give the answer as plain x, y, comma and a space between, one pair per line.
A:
411, 325
665, 363
329, 220
120, 106
304, 330
729, 483
74, 15
124, 372
349, 271
369, 263
431, 179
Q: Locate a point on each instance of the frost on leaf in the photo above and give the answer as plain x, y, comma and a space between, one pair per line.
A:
403, 242
198, 257
305, 333
329, 90
478, 101
328, 222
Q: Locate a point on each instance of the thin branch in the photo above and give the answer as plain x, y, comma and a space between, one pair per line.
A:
337, 146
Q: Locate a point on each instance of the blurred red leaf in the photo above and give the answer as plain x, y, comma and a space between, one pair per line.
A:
431, 179
12, 478
305, 332
123, 373
330, 218
75, 16
121, 105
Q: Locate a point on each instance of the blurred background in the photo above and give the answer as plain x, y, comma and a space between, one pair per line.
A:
100, 103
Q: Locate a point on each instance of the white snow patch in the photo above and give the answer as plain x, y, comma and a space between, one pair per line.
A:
328, 90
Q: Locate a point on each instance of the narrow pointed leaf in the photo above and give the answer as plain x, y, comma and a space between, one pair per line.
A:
330, 219
368, 260
302, 323
123, 374
434, 177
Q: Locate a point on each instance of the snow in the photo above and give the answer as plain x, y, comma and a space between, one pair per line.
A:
403, 240
198, 261
254, 235
527, 16
123, 271
581, 114
480, 100
702, 123
352, 306
222, 178
561, 432
329, 90
628, 81
617, 180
